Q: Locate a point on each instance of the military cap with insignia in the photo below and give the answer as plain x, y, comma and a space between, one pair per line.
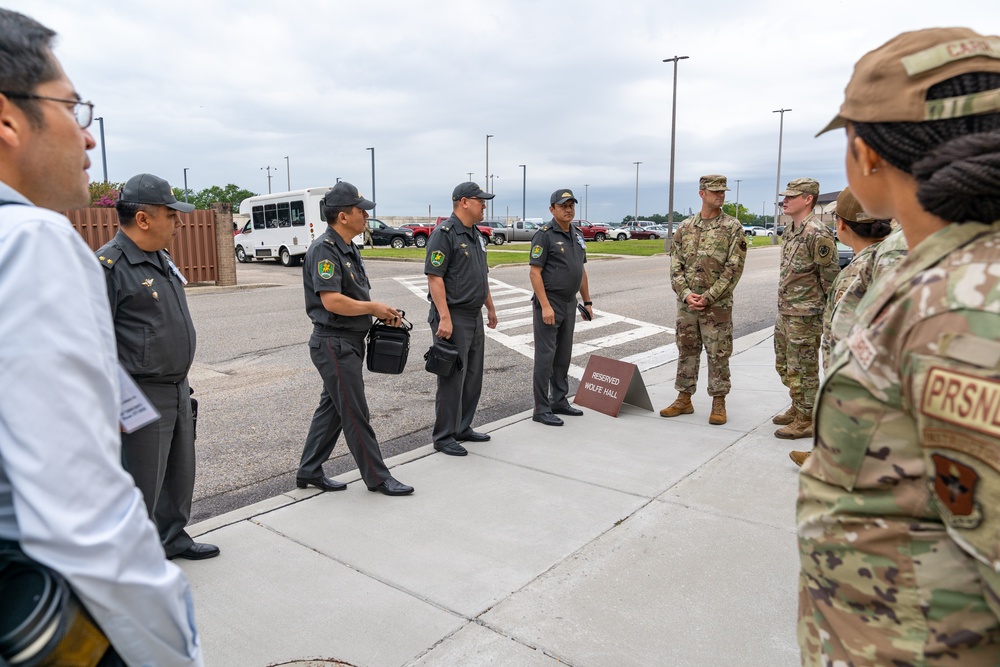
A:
344, 194
713, 183
801, 186
469, 190
150, 189
563, 196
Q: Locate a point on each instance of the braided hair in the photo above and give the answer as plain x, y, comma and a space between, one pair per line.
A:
956, 161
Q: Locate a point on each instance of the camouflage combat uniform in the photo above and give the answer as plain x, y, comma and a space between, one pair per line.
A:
890, 251
706, 258
845, 295
898, 519
808, 268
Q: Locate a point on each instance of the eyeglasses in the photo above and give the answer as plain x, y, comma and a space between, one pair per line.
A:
82, 111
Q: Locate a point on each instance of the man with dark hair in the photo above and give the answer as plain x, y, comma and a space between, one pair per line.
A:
558, 255
64, 497
808, 269
338, 303
156, 342
458, 286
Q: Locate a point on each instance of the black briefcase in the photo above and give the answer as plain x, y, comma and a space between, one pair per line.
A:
442, 359
388, 346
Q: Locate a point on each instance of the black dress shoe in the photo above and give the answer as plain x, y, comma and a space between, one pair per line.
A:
568, 410
451, 449
548, 419
474, 436
392, 487
321, 483
197, 551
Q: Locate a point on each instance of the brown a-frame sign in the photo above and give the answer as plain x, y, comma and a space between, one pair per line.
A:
607, 383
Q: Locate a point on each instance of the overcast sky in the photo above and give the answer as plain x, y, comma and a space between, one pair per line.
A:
576, 90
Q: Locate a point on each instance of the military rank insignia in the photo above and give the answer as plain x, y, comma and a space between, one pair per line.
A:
536, 252
325, 269
437, 258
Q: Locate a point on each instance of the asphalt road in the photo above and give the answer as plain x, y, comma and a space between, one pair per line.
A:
257, 387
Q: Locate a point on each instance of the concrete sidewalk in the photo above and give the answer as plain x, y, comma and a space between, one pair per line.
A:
629, 541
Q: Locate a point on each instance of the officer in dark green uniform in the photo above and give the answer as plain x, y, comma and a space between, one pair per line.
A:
337, 302
458, 288
156, 342
558, 253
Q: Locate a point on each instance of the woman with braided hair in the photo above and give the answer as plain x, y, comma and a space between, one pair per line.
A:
899, 505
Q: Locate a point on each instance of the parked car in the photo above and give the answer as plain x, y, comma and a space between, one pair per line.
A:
756, 230
383, 234
844, 254
420, 233
591, 231
495, 226
646, 233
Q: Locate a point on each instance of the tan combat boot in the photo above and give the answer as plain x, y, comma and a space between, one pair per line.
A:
786, 417
799, 457
718, 415
802, 427
682, 406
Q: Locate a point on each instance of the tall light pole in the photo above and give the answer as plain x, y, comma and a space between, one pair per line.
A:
636, 191
470, 175
372, 149
673, 134
185, 183
524, 189
586, 201
104, 153
492, 176
738, 199
488, 137
268, 168
777, 182
288, 172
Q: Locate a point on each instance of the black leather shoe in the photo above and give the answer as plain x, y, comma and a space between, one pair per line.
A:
548, 419
568, 410
392, 487
321, 483
451, 449
197, 551
474, 436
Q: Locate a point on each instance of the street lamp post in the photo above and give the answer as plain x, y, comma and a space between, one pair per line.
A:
104, 153
268, 168
492, 211
186, 184
524, 189
288, 173
777, 182
636, 191
470, 175
488, 137
673, 134
372, 149
586, 201
738, 199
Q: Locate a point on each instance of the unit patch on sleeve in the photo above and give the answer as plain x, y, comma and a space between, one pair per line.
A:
955, 488
437, 258
325, 269
536, 252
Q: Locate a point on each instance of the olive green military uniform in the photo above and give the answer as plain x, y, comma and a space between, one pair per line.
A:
899, 505
156, 344
457, 254
808, 269
706, 258
561, 256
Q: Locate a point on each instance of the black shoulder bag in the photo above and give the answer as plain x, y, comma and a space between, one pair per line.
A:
388, 346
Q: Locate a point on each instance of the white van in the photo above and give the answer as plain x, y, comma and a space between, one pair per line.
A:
281, 225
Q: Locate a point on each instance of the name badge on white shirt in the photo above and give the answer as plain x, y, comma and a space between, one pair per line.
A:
136, 411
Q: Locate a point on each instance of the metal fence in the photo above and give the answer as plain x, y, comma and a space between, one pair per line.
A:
194, 250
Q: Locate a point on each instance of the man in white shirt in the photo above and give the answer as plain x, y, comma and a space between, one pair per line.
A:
65, 499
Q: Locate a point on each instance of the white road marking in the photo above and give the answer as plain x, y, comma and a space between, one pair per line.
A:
508, 295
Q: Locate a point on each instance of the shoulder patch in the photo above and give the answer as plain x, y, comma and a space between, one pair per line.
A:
325, 269
437, 258
962, 399
536, 252
955, 488
826, 251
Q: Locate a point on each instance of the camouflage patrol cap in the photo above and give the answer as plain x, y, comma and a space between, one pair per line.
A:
801, 186
890, 83
849, 208
713, 182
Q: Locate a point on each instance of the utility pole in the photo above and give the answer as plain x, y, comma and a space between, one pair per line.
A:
777, 182
524, 188
288, 172
268, 168
586, 201
673, 135
636, 192
738, 199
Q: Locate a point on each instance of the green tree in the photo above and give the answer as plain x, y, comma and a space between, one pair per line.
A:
230, 194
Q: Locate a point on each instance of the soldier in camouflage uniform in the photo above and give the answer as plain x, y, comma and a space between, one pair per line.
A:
706, 262
808, 268
863, 234
898, 521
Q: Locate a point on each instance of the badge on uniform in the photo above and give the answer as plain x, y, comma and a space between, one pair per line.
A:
861, 347
437, 258
325, 269
955, 488
536, 252
148, 282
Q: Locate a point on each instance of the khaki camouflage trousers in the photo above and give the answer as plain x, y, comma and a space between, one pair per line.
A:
713, 329
796, 358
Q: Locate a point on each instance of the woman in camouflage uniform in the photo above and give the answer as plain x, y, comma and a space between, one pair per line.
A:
899, 505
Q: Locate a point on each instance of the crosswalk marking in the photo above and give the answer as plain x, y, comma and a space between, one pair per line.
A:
523, 343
